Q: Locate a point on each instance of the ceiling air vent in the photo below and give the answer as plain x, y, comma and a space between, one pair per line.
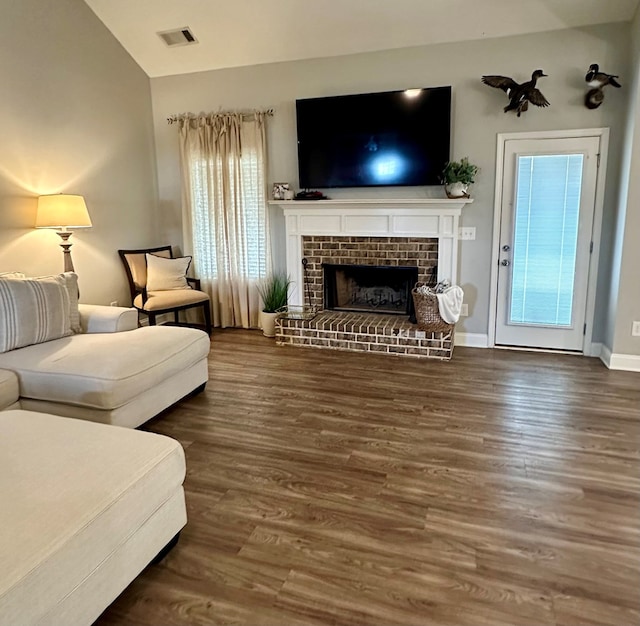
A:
178, 37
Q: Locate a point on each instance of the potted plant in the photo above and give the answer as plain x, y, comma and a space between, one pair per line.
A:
274, 291
457, 176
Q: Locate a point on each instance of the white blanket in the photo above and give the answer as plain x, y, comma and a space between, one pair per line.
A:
450, 304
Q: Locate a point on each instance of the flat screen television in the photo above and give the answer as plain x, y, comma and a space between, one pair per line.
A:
374, 139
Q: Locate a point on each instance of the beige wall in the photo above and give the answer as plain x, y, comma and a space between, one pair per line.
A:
477, 117
625, 293
76, 116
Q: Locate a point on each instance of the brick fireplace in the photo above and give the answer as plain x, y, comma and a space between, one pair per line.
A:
418, 236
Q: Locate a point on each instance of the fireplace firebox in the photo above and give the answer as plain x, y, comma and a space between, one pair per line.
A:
369, 288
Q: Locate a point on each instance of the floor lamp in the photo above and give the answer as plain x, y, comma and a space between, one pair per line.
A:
63, 212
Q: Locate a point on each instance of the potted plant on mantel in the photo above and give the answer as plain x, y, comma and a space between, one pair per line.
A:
457, 176
274, 291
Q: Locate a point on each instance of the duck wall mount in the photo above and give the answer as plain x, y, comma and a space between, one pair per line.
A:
519, 94
598, 80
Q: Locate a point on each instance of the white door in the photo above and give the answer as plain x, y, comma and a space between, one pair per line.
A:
548, 200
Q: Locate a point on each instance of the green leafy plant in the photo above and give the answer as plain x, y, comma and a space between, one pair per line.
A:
274, 291
459, 172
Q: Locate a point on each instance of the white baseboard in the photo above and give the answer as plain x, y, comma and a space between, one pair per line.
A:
625, 362
595, 350
471, 340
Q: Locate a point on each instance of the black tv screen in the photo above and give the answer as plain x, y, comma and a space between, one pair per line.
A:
375, 139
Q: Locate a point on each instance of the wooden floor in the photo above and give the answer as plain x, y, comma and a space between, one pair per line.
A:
332, 487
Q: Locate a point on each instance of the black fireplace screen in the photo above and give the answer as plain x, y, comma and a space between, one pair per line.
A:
369, 288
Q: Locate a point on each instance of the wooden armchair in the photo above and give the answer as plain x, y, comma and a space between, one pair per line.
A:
154, 303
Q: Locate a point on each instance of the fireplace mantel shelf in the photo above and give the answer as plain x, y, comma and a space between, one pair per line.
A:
436, 204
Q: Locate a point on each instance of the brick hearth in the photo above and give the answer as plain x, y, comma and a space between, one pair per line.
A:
386, 334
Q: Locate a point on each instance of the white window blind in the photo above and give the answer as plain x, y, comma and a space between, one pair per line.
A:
545, 239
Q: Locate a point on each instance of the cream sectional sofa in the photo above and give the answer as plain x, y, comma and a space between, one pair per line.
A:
85, 506
113, 372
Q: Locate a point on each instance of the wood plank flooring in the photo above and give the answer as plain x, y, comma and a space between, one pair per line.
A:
326, 487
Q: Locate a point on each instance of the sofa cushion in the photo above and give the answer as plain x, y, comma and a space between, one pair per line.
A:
167, 274
33, 311
105, 371
9, 389
75, 491
70, 281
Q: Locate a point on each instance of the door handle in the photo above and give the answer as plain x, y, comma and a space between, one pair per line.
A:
506, 248
505, 262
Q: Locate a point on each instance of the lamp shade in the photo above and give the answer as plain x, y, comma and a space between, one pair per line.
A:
62, 211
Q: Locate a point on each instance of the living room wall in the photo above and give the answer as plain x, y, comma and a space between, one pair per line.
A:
76, 111
477, 119
625, 289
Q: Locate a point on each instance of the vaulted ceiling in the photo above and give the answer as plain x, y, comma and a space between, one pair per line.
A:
250, 32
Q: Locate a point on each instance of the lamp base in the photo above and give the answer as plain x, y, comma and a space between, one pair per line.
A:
66, 248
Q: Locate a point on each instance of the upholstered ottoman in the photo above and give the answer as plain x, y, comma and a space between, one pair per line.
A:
85, 507
121, 378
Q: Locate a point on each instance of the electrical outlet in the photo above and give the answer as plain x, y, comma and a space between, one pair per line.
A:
114, 303
467, 233
635, 329
464, 310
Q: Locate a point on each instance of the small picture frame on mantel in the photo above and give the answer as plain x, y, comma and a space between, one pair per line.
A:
281, 191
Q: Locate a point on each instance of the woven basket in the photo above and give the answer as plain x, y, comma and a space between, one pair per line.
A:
427, 312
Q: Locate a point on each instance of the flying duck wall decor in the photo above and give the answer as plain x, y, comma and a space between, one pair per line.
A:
597, 80
519, 94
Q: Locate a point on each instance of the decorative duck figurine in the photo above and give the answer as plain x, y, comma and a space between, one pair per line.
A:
597, 80
519, 94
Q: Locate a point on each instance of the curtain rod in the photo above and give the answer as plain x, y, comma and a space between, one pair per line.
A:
190, 116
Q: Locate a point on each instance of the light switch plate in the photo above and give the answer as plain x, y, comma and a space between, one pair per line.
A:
635, 329
467, 233
464, 310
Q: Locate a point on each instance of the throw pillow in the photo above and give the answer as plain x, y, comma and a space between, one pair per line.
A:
33, 311
167, 274
70, 281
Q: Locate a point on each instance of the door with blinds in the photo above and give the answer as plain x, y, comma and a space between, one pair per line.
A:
548, 200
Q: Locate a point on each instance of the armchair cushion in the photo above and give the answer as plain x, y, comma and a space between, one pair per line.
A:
107, 319
167, 274
163, 300
33, 311
137, 266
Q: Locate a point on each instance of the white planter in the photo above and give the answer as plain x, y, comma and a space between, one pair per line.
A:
457, 190
268, 323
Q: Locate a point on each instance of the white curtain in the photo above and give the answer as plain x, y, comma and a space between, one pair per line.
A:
225, 213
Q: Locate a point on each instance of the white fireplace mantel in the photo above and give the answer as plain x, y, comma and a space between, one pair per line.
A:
412, 217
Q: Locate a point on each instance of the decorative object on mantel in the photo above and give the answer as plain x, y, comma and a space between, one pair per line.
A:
280, 191
597, 80
310, 195
437, 308
457, 176
519, 94
274, 291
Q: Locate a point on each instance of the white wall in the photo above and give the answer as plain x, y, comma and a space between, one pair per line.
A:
477, 118
76, 114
